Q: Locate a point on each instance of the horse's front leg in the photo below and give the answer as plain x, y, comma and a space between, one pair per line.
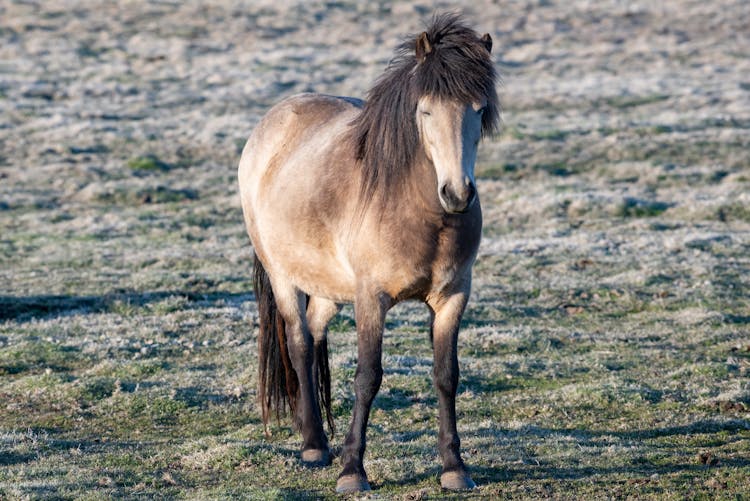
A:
446, 317
370, 313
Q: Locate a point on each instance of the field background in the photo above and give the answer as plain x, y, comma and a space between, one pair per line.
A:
606, 349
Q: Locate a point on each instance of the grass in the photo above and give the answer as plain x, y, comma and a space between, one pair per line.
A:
605, 352
641, 208
627, 101
586, 391
147, 163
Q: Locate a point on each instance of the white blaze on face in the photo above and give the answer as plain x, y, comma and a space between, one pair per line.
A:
450, 133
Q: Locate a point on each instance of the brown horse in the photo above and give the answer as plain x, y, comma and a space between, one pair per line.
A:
372, 203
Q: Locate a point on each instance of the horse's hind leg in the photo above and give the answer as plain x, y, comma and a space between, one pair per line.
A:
446, 317
319, 313
291, 304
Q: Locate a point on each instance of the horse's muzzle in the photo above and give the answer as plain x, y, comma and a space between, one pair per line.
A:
457, 203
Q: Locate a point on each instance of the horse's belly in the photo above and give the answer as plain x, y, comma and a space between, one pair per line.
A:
310, 260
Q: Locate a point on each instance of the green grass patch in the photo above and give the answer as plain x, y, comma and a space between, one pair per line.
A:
498, 171
148, 163
36, 356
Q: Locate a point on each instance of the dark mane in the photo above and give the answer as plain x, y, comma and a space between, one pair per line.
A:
458, 67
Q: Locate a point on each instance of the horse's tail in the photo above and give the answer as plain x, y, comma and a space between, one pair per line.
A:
324, 381
277, 381
278, 386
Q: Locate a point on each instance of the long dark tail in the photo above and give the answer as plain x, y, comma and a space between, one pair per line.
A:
324, 382
277, 382
278, 386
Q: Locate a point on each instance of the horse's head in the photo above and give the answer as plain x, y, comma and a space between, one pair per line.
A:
450, 132
437, 97
450, 125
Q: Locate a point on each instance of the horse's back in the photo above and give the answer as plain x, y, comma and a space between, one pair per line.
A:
293, 122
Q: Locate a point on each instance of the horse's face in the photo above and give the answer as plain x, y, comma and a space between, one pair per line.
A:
450, 133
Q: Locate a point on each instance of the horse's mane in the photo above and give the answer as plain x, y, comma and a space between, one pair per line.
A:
458, 67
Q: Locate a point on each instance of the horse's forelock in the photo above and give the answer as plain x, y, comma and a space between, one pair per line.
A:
459, 66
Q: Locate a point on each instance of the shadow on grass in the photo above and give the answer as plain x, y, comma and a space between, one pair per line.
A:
482, 315
593, 439
737, 319
128, 470
483, 474
483, 385
132, 449
294, 495
8, 458
401, 398
26, 308
589, 437
123, 467
194, 396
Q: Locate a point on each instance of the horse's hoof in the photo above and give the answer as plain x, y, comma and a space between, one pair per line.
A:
313, 458
456, 481
352, 483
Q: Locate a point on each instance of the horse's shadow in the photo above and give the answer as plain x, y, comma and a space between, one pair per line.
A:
28, 308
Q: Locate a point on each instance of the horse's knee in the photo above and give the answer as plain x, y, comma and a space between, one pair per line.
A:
367, 380
446, 380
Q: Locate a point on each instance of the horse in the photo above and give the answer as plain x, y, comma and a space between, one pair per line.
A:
372, 203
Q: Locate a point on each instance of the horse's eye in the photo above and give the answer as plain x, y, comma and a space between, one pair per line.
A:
426, 113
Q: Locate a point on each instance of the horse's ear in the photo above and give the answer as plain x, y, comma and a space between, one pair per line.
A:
487, 41
423, 46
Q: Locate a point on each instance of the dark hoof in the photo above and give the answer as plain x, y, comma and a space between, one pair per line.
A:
456, 481
314, 458
352, 483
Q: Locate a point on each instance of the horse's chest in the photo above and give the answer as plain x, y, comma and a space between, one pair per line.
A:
431, 258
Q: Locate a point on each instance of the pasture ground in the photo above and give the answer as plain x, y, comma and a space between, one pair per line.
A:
606, 349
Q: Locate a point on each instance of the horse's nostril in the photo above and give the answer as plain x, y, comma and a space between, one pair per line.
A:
455, 202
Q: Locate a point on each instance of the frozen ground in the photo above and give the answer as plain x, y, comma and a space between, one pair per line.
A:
605, 352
